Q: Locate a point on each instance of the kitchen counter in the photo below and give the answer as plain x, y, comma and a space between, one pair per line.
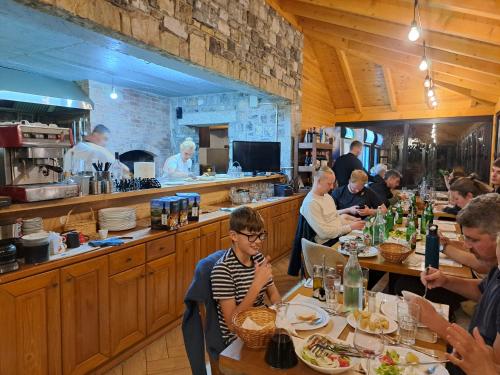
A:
141, 234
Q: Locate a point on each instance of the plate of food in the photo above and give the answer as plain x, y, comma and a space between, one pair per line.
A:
325, 354
365, 252
305, 316
403, 361
371, 322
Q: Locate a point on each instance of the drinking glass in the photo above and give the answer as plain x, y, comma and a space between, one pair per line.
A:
331, 283
368, 345
281, 315
372, 301
317, 280
408, 318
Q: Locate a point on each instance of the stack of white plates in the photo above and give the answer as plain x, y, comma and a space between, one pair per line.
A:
33, 225
117, 218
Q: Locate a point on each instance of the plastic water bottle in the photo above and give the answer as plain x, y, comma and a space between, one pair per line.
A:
432, 247
353, 283
378, 228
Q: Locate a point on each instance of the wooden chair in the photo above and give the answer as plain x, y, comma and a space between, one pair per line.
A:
312, 253
214, 364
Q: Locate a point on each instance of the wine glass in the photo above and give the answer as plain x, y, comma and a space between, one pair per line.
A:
368, 345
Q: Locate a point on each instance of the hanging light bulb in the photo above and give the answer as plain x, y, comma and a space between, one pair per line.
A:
414, 32
424, 65
430, 92
434, 103
427, 81
113, 95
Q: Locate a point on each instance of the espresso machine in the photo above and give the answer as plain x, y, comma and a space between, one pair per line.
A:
30, 161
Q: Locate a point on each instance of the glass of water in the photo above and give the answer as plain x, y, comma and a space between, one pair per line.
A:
408, 318
331, 283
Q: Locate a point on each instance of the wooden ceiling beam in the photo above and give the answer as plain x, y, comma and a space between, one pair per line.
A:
346, 69
292, 19
477, 96
438, 20
434, 54
444, 42
483, 8
391, 93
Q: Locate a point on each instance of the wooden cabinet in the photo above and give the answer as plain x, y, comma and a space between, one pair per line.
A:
187, 255
160, 292
30, 326
127, 308
85, 315
159, 248
127, 258
210, 239
267, 248
226, 242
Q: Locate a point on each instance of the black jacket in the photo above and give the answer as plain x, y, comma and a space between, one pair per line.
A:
304, 230
382, 191
344, 198
200, 291
344, 166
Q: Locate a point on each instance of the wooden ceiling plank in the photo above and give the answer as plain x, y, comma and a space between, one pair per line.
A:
325, 59
444, 42
292, 19
483, 8
476, 95
344, 64
389, 84
438, 20
434, 54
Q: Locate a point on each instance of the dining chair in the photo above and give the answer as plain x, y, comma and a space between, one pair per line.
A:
312, 253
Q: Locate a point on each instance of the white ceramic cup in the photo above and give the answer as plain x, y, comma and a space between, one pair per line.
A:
103, 234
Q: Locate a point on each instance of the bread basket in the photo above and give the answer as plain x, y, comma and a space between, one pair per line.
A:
263, 316
394, 252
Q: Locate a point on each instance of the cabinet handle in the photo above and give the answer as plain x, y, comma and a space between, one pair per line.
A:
69, 279
55, 285
129, 259
161, 248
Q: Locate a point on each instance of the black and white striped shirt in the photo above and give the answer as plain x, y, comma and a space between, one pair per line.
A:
231, 280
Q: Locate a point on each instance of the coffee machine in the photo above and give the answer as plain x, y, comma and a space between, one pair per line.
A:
30, 161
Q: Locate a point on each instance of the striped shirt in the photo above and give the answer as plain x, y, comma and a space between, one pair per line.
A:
231, 280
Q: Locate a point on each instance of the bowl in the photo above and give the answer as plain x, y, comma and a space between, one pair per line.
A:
394, 252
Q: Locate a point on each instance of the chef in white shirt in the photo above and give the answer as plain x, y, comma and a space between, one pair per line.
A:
91, 150
179, 165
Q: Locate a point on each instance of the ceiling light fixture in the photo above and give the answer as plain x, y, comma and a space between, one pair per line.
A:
427, 81
113, 95
424, 64
414, 32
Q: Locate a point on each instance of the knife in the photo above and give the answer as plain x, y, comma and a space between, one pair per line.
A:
423, 363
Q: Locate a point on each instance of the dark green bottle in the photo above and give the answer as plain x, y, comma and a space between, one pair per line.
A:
400, 214
389, 222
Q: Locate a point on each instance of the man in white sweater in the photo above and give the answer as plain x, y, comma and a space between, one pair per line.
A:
319, 209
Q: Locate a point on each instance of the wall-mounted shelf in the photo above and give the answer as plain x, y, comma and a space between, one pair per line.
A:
301, 148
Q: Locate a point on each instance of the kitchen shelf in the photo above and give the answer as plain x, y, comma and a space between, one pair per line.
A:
319, 146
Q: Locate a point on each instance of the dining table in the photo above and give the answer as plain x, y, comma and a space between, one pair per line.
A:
239, 359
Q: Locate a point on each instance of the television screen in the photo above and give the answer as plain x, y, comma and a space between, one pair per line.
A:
257, 156
369, 136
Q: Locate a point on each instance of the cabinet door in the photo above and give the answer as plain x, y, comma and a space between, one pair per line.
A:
187, 255
85, 315
226, 242
30, 326
267, 247
160, 292
210, 239
127, 307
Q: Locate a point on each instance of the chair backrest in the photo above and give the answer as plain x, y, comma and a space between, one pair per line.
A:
304, 230
313, 254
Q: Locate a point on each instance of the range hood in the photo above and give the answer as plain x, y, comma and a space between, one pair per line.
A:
27, 87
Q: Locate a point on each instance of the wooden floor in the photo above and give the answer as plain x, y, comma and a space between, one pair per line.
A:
167, 356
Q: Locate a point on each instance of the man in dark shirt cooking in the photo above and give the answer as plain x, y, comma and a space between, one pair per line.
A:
480, 221
345, 164
356, 199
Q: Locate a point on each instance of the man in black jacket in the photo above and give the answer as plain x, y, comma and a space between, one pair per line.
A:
344, 165
384, 188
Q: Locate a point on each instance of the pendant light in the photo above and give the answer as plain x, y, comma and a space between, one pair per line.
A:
430, 92
414, 32
113, 95
424, 64
427, 81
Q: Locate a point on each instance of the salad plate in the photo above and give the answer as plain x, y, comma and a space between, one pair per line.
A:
402, 361
325, 354
306, 316
367, 252
372, 322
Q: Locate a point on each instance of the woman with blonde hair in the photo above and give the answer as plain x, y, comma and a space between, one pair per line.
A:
179, 165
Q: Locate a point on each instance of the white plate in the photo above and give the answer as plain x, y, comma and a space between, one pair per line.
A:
367, 253
418, 370
295, 309
323, 370
393, 326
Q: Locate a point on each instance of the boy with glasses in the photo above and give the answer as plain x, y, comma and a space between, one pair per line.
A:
242, 275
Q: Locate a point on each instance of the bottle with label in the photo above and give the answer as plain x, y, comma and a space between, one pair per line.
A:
423, 220
306, 136
116, 168
195, 211
378, 228
432, 247
353, 283
164, 215
400, 212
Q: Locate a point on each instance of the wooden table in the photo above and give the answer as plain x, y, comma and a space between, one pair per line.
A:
237, 359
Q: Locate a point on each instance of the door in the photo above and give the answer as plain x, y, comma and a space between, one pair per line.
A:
85, 315
30, 326
187, 255
127, 306
210, 239
160, 292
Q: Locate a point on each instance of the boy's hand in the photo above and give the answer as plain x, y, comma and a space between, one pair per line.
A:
263, 272
433, 279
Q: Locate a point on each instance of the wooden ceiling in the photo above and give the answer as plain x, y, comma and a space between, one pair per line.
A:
370, 68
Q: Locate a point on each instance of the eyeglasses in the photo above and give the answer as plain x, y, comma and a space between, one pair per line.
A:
253, 237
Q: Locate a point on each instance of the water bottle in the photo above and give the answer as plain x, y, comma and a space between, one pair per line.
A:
400, 212
432, 247
378, 229
353, 283
116, 168
389, 222
411, 232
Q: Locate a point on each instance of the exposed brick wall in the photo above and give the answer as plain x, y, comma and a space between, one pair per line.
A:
242, 39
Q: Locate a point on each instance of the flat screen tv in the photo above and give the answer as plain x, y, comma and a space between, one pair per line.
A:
257, 156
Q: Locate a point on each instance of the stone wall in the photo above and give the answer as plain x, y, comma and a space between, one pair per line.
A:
242, 39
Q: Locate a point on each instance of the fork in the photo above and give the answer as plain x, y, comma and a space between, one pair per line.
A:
426, 284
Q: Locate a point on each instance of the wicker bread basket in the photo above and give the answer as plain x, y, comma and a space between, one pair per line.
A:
86, 223
263, 317
394, 252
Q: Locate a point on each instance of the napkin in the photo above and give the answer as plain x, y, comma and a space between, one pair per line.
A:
112, 241
250, 324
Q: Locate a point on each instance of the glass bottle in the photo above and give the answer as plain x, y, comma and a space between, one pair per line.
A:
389, 222
423, 220
400, 212
164, 215
411, 232
353, 283
116, 168
195, 210
378, 228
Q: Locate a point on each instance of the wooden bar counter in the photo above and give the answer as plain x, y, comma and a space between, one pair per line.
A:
87, 312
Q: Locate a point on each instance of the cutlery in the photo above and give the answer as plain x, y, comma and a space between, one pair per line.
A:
426, 273
423, 363
394, 341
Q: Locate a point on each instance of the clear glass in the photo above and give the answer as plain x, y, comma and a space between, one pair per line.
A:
281, 315
378, 228
331, 284
366, 272
408, 318
369, 346
372, 301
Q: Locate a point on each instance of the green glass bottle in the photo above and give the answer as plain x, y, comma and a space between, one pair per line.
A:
423, 220
389, 222
400, 212
411, 233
